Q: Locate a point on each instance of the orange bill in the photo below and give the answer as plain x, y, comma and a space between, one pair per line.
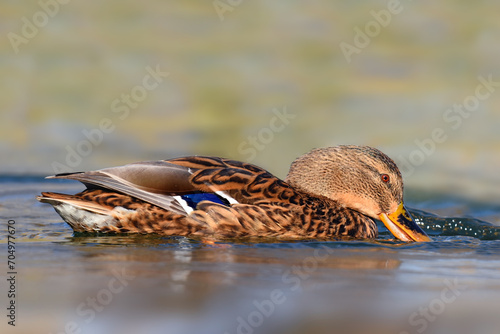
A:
403, 226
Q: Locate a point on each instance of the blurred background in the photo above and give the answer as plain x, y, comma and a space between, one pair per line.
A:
231, 65
92, 84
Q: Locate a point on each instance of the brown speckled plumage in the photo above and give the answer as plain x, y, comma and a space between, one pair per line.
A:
313, 201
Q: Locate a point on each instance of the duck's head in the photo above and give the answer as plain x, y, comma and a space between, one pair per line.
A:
360, 178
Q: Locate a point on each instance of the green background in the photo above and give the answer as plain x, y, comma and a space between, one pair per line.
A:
227, 76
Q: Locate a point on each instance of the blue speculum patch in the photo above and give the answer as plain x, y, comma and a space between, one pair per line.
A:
193, 199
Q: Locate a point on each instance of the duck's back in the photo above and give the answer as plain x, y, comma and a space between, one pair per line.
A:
201, 196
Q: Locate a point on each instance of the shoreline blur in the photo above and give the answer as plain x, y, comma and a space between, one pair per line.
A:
227, 77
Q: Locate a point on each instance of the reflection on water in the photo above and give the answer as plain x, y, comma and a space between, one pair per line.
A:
156, 284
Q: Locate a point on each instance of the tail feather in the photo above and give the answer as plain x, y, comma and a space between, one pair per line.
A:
81, 215
98, 210
57, 199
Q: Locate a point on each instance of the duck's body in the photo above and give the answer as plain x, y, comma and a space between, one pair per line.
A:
222, 198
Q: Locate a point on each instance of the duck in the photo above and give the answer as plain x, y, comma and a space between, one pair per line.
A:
328, 193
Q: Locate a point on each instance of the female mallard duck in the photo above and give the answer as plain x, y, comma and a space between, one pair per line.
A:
329, 192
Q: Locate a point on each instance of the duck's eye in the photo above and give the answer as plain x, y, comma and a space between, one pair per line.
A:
385, 178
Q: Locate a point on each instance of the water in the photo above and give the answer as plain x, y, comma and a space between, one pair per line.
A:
227, 78
155, 284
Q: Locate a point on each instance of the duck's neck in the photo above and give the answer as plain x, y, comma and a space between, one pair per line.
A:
331, 219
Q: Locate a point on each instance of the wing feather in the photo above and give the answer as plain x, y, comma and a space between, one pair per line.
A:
154, 182
159, 182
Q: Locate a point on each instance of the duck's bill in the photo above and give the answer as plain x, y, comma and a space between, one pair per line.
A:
403, 226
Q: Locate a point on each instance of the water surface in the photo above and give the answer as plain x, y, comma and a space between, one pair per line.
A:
156, 284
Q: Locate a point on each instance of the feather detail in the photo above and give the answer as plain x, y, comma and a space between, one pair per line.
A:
223, 198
